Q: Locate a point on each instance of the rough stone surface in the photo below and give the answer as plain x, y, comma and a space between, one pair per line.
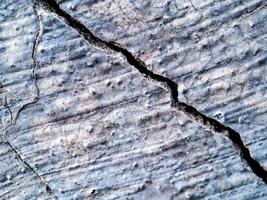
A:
216, 51
16, 181
17, 30
100, 130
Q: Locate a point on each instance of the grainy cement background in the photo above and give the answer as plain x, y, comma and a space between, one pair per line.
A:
100, 130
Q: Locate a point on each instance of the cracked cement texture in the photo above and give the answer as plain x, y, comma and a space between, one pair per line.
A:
16, 181
216, 54
102, 131
17, 31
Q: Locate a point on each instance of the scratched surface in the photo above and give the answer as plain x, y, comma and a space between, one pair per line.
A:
16, 181
102, 131
216, 53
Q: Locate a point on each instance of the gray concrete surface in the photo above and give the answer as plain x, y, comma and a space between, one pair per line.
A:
78, 121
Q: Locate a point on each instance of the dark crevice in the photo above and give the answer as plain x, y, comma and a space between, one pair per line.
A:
92, 39
228, 132
172, 87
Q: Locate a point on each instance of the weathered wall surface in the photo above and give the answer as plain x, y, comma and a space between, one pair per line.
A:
80, 122
216, 54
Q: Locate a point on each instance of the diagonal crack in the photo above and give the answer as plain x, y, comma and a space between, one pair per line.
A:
43, 181
171, 86
34, 100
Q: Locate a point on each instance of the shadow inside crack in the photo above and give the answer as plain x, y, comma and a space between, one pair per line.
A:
171, 86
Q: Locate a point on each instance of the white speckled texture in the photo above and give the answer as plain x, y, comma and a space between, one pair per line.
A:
100, 130
217, 53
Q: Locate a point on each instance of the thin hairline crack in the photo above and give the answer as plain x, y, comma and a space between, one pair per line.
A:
13, 120
171, 86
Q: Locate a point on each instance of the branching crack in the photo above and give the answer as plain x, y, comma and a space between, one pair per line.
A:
13, 120
171, 86
34, 78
